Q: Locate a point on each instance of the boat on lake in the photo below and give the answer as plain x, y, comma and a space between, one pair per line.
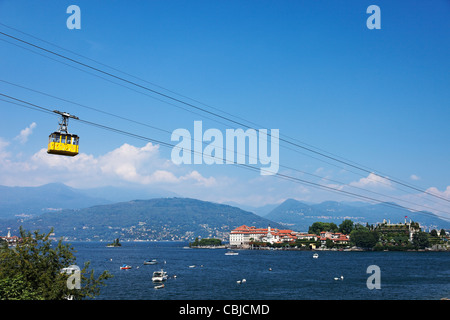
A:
315, 255
125, 267
231, 253
151, 261
159, 276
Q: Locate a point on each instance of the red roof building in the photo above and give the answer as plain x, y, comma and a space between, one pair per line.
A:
336, 237
243, 235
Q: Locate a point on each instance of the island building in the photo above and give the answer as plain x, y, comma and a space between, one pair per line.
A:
335, 237
243, 236
408, 228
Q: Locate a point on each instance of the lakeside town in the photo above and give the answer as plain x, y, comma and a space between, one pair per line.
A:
385, 236
348, 236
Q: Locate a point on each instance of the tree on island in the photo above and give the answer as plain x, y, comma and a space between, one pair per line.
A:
318, 227
115, 243
33, 271
364, 237
205, 242
420, 240
346, 226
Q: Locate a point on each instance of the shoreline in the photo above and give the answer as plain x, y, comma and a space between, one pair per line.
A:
227, 246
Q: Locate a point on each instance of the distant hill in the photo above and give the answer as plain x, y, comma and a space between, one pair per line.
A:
33, 201
155, 219
299, 216
123, 194
260, 211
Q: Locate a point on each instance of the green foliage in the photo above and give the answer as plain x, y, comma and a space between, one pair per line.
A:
115, 243
318, 227
346, 226
205, 242
420, 240
364, 238
32, 270
16, 288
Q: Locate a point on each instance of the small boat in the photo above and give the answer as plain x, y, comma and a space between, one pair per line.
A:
340, 278
231, 253
125, 267
193, 266
160, 286
241, 281
159, 276
315, 255
151, 261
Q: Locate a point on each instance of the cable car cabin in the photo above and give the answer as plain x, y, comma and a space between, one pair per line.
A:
64, 144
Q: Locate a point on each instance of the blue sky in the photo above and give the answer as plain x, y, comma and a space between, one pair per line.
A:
311, 69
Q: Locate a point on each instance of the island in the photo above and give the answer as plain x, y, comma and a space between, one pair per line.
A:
114, 244
206, 243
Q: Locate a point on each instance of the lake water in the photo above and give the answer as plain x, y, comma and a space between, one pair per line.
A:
294, 275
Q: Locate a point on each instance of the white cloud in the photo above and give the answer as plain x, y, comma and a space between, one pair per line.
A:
3, 145
124, 165
424, 201
145, 166
414, 177
25, 133
196, 176
443, 194
372, 181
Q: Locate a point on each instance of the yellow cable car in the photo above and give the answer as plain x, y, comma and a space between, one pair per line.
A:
61, 142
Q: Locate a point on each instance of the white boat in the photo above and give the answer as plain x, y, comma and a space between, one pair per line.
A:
160, 286
151, 261
159, 276
231, 253
315, 255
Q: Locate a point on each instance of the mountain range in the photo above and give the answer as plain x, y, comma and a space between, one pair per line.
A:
108, 213
299, 215
154, 219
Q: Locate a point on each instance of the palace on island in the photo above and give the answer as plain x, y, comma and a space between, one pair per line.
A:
244, 236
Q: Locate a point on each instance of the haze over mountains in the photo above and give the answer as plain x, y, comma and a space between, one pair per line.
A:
299, 215
108, 213
32, 201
